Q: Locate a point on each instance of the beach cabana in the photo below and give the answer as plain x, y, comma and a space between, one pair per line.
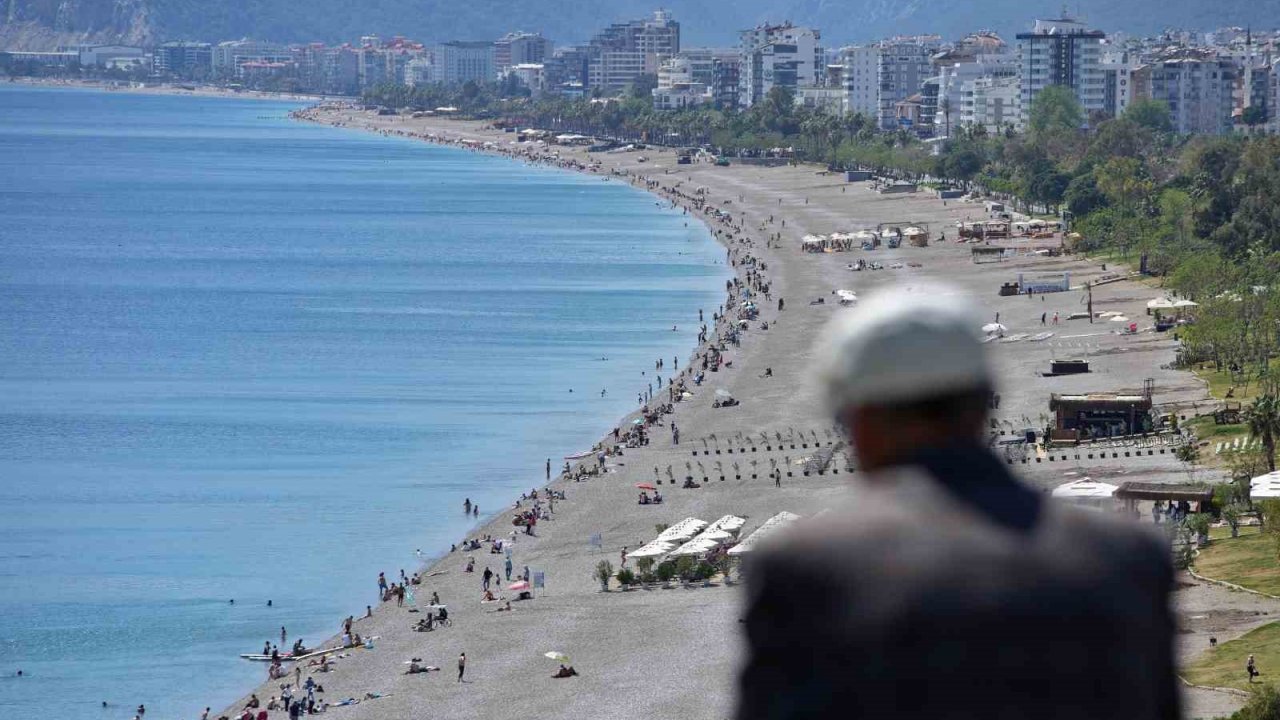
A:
1265, 486
769, 527
681, 531
1086, 492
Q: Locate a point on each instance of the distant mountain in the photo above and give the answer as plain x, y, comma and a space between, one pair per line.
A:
40, 24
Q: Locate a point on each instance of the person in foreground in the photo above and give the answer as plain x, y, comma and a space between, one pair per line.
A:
946, 588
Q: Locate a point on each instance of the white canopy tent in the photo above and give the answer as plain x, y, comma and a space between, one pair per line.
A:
729, 523
1086, 492
769, 527
1265, 486
681, 531
653, 549
1160, 303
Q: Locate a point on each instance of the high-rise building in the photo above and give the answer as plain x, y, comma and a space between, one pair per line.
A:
783, 56
1197, 89
618, 55
861, 79
904, 65
229, 56
183, 58
460, 62
521, 48
1117, 81
724, 79
1062, 52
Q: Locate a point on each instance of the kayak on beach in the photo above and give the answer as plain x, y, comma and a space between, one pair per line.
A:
579, 456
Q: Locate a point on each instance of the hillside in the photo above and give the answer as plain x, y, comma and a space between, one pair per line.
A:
40, 24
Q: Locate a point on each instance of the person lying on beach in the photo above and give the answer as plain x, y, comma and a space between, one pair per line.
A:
488, 597
504, 608
565, 672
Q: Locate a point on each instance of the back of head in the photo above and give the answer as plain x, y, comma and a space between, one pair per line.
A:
902, 347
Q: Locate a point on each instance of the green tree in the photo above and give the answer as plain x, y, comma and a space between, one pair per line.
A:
1262, 416
1150, 114
1055, 108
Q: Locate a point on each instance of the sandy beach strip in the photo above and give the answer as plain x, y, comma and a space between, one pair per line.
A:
675, 651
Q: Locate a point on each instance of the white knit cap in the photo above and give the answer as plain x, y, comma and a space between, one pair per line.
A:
901, 346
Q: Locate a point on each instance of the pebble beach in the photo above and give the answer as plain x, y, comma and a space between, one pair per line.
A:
675, 650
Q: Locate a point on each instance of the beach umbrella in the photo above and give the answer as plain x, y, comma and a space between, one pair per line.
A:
1160, 303
993, 328
1186, 303
557, 656
722, 393
1119, 318
518, 586
645, 486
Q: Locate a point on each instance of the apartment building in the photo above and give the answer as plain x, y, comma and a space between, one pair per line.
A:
1061, 52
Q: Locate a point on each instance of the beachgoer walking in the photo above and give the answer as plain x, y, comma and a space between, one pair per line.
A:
1251, 667
548, 468
283, 635
382, 585
466, 506
507, 567
624, 556
297, 676
488, 575
1043, 317
462, 666
1055, 318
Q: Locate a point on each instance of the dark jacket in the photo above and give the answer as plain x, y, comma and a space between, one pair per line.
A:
948, 590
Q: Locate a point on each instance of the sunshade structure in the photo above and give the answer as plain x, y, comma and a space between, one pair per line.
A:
770, 526
1265, 486
696, 546
1186, 304
681, 531
729, 523
653, 549
1160, 303
716, 534
991, 328
1085, 489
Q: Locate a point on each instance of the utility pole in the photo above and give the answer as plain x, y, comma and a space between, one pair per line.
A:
1089, 286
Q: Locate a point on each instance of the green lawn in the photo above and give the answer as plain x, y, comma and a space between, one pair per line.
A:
1224, 667
1248, 561
1220, 382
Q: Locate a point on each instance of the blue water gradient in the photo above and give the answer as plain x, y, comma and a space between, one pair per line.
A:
245, 357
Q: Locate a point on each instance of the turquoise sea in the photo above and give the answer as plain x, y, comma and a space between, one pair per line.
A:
245, 357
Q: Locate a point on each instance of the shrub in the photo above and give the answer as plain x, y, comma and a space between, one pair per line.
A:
645, 566
1198, 524
704, 571
1263, 705
604, 571
666, 571
686, 568
626, 577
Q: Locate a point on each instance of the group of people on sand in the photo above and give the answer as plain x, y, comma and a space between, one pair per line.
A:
646, 500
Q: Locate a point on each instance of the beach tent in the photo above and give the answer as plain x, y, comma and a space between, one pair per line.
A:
681, 531
770, 526
728, 523
1265, 486
1084, 488
653, 549
697, 546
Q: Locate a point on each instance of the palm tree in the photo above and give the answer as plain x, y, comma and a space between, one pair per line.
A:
1263, 418
945, 106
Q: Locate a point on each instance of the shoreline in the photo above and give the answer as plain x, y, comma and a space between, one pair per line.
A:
169, 89
655, 633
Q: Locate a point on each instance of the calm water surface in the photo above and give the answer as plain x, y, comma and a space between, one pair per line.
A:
243, 357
